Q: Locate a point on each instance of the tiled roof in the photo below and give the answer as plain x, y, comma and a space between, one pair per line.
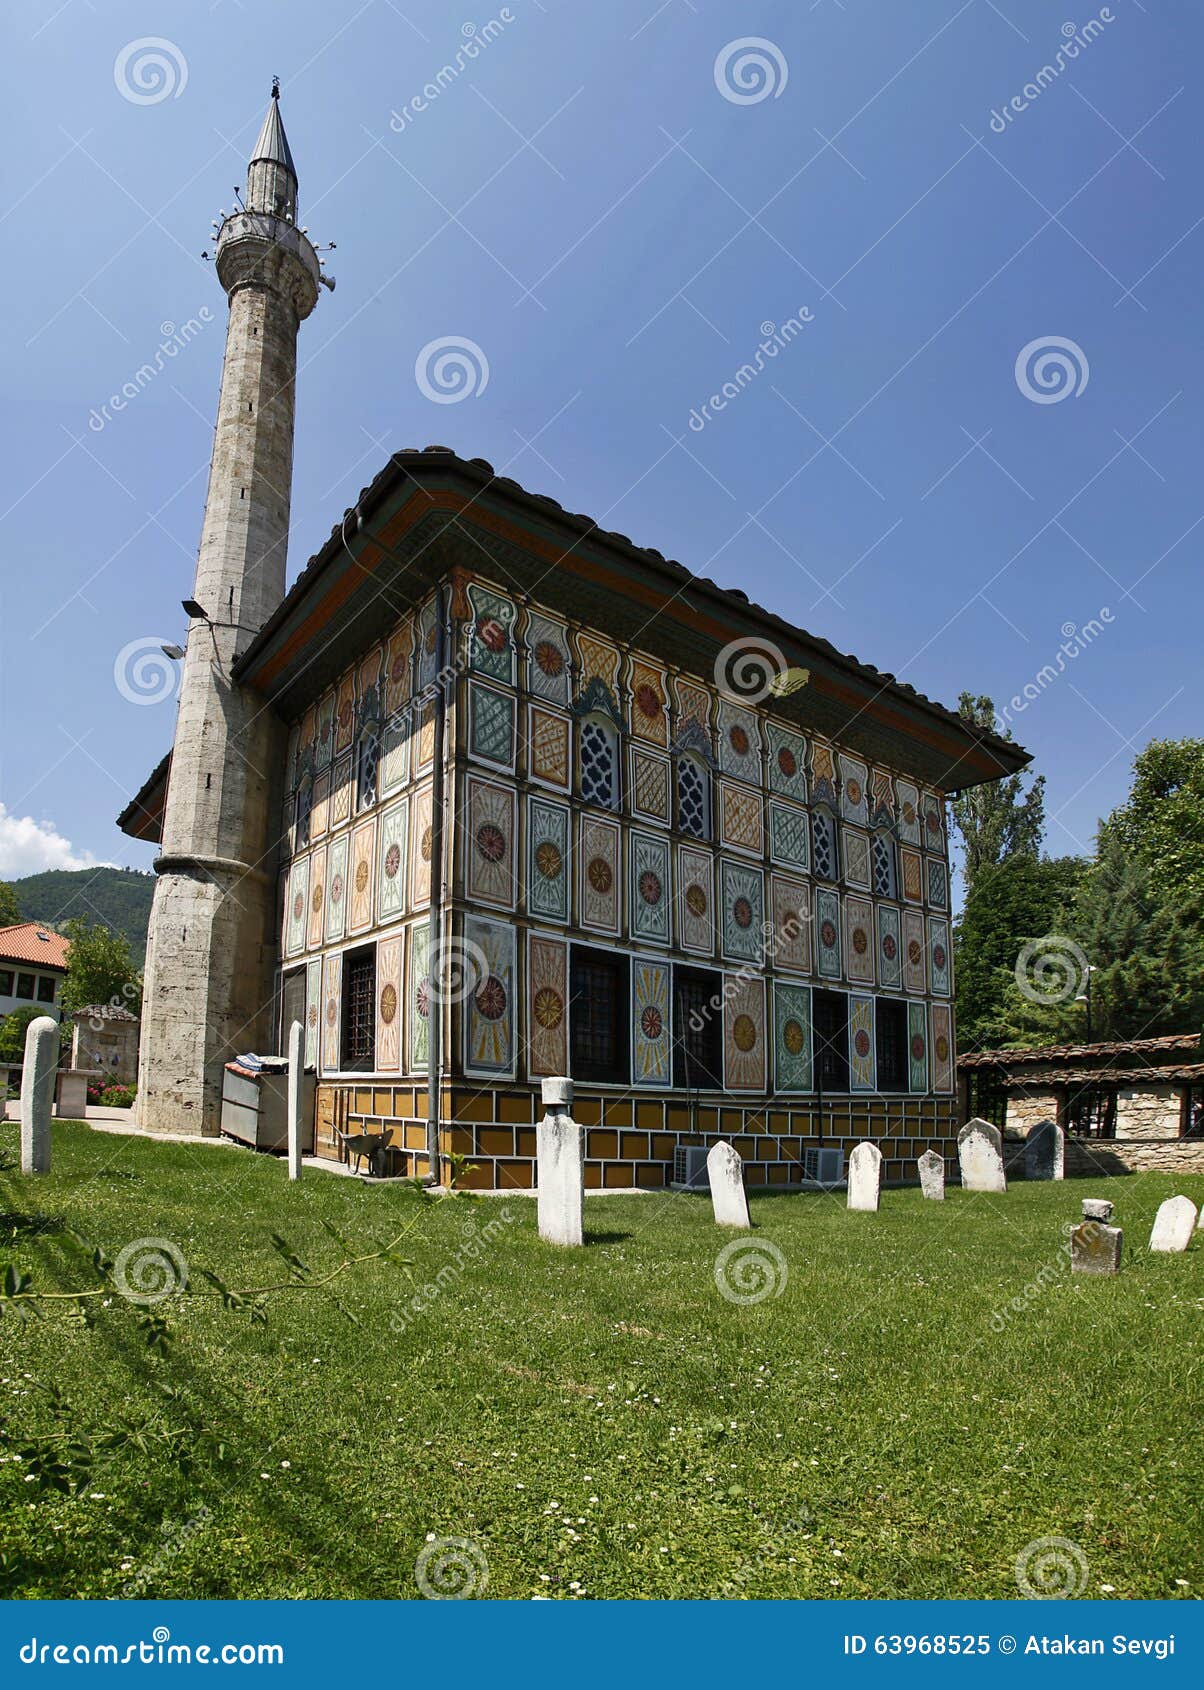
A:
30, 942
1168, 1045
103, 1012
142, 817
1189, 1073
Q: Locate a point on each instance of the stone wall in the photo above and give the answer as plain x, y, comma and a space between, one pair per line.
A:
1134, 1156
1151, 1112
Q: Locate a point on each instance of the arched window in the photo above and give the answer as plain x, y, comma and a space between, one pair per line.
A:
305, 797
599, 761
823, 845
693, 797
886, 880
367, 762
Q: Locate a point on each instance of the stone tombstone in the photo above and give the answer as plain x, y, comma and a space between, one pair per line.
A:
560, 1149
932, 1175
296, 1071
725, 1171
1045, 1152
37, 1093
980, 1156
1095, 1248
865, 1172
1097, 1208
1173, 1226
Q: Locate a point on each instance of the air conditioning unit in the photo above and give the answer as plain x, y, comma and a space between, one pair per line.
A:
825, 1167
690, 1167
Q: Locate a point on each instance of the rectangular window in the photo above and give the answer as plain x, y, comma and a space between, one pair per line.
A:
830, 1013
598, 1016
1090, 1112
823, 845
46, 988
6, 982
25, 986
891, 1039
697, 1029
886, 884
359, 1010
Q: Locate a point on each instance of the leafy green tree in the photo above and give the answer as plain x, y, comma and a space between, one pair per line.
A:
10, 910
999, 819
100, 968
1022, 897
1162, 821
12, 1032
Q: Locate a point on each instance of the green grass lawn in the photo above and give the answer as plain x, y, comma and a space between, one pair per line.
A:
599, 1422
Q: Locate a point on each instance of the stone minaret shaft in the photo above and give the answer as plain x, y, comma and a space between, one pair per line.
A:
211, 948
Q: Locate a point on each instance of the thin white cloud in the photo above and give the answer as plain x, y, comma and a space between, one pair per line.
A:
28, 847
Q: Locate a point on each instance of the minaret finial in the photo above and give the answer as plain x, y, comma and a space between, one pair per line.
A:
275, 88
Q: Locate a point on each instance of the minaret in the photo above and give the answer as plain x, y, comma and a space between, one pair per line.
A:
212, 940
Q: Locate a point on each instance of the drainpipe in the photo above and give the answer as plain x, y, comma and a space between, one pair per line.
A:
437, 962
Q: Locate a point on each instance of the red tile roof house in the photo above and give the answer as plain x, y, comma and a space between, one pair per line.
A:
33, 962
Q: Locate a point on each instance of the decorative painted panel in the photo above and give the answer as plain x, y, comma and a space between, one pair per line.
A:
740, 820
932, 811
489, 1014
742, 897
317, 898
827, 933
861, 1043
298, 907
695, 901
890, 947
491, 634
882, 799
548, 660
938, 883
693, 704
336, 888
319, 807
909, 811
854, 800
547, 996
490, 860
323, 741
744, 1033
363, 839
394, 767
913, 952
912, 866
340, 792
856, 857
548, 745
739, 743
792, 1037
938, 957
391, 871
942, 1047
419, 997
859, 940
423, 733
388, 1004
490, 726
650, 890
789, 836
651, 1042
917, 1047
344, 713
787, 762
332, 1004
789, 945
649, 785
547, 859
823, 774
421, 837
313, 1011
649, 714
598, 877
427, 666
399, 667
598, 661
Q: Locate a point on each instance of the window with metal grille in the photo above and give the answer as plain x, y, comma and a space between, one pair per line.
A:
359, 1009
367, 761
697, 1029
599, 763
830, 1017
1191, 1120
986, 1099
693, 798
305, 795
890, 1038
598, 1016
1090, 1111
823, 845
886, 884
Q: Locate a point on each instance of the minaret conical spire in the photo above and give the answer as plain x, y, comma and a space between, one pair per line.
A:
271, 174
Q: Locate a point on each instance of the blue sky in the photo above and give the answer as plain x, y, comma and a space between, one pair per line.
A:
588, 206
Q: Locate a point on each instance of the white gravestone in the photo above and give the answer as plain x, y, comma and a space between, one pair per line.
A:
37, 1093
1045, 1152
980, 1155
296, 1069
725, 1170
1173, 1226
560, 1148
932, 1175
865, 1171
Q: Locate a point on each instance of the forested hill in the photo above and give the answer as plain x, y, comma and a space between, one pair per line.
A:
119, 897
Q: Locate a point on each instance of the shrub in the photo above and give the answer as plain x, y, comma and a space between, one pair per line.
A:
116, 1097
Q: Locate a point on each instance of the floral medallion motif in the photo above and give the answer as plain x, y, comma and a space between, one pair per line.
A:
548, 859
696, 900
361, 877
861, 1044
914, 952
316, 899
298, 907
651, 1022
647, 702
737, 738
938, 957
650, 887
787, 762
852, 790
549, 659
742, 913
827, 934
424, 844
917, 1047
889, 948
491, 842
548, 1008
793, 1037
388, 1005
942, 1048
600, 875
392, 861
744, 1033
491, 999
861, 942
